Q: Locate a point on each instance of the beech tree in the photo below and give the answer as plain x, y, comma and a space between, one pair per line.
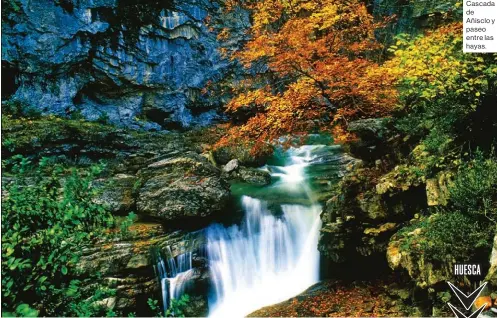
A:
312, 66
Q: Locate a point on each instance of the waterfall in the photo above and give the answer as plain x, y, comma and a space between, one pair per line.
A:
175, 276
268, 258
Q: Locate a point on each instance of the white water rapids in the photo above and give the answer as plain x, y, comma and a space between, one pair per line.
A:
175, 276
270, 257
267, 259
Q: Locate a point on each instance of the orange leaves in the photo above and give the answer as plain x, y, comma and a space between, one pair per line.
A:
257, 97
317, 69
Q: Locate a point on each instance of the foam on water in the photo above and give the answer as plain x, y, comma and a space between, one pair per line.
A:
268, 258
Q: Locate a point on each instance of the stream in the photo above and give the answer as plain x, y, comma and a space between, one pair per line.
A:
271, 254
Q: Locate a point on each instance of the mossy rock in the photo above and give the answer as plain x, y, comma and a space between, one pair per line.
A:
243, 153
182, 187
429, 247
118, 193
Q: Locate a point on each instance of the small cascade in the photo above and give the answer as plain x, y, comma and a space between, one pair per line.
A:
270, 256
175, 275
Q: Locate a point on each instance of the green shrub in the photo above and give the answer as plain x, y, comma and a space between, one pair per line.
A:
126, 223
475, 187
465, 228
176, 308
458, 235
449, 235
48, 216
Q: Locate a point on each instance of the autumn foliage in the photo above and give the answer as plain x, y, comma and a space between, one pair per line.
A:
313, 67
433, 66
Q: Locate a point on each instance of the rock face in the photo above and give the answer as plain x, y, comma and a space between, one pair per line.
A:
437, 191
75, 56
118, 193
424, 272
128, 265
182, 187
413, 15
360, 221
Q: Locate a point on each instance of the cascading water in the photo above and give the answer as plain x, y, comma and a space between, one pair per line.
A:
175, 275
268, 258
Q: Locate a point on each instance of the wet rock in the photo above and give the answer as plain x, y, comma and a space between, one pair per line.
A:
182, 187
231, 166
333, 240
223, 155
234, 171
254, 176
118, 193
197, 307
126, 264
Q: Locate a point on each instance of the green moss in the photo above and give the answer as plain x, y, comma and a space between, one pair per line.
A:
448, 235
30, 136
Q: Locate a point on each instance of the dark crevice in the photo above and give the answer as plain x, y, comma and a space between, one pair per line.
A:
9, 80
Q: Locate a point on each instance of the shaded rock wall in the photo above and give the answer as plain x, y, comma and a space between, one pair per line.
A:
412, 16
74, 58
128, 265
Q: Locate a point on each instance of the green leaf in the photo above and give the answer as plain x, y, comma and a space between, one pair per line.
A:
26, 311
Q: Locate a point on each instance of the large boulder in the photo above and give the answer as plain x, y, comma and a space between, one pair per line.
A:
372, 134
370, 129
254, 176
182, 187
118, 193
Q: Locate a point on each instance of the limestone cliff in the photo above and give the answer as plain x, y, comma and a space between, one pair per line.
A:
133, 63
